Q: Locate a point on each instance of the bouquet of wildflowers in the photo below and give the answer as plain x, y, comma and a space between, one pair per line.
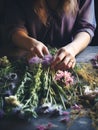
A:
52, 83
30, 88
37, 87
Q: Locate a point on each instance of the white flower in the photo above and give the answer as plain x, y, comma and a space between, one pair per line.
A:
12, 100
87, 90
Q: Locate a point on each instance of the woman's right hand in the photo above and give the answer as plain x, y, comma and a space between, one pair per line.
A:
33, 47
38, 49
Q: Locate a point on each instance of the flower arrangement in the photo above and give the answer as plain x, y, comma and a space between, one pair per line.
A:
30, 88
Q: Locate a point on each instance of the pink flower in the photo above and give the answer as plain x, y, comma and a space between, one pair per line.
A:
68, 78
59, 75
64, 76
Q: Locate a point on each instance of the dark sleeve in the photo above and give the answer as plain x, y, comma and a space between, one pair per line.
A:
14, 18
86, 18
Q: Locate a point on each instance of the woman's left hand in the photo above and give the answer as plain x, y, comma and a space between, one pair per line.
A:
63, 59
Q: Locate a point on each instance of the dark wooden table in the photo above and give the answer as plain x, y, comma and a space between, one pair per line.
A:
87, 54
83, 123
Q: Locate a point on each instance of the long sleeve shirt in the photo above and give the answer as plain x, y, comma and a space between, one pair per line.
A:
58, 31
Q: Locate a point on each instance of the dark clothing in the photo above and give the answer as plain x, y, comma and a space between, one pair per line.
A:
59, 31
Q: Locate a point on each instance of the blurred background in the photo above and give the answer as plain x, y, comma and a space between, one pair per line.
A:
94, 40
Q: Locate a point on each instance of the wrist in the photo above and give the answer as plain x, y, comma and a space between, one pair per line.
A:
32, 43
29, 43
22, 40
71, 49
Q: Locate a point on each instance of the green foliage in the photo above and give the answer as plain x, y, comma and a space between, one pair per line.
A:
36, 86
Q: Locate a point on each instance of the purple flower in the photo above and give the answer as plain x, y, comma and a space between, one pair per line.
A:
65, 113
47, 60
34, 60
59, 75
1, 113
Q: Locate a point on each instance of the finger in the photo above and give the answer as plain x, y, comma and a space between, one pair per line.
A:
58, 58
72, 63
37, 52
45, 51
61, 66
67, 59
40, 54
66, 65
30, 55
32, 52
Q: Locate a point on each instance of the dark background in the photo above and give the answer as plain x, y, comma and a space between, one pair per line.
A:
94, 41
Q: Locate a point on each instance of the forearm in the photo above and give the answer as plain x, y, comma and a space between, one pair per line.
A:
80, 42
21, 39
33, 46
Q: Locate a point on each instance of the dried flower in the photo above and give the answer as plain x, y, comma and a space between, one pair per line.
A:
43, 89
34, 60
64, 76
12, 100
87, 90
53, 110
47, 59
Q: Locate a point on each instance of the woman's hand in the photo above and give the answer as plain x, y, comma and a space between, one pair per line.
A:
38, 49
33, 47
63, 59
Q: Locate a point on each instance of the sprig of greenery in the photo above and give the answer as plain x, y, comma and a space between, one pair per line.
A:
32, 102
